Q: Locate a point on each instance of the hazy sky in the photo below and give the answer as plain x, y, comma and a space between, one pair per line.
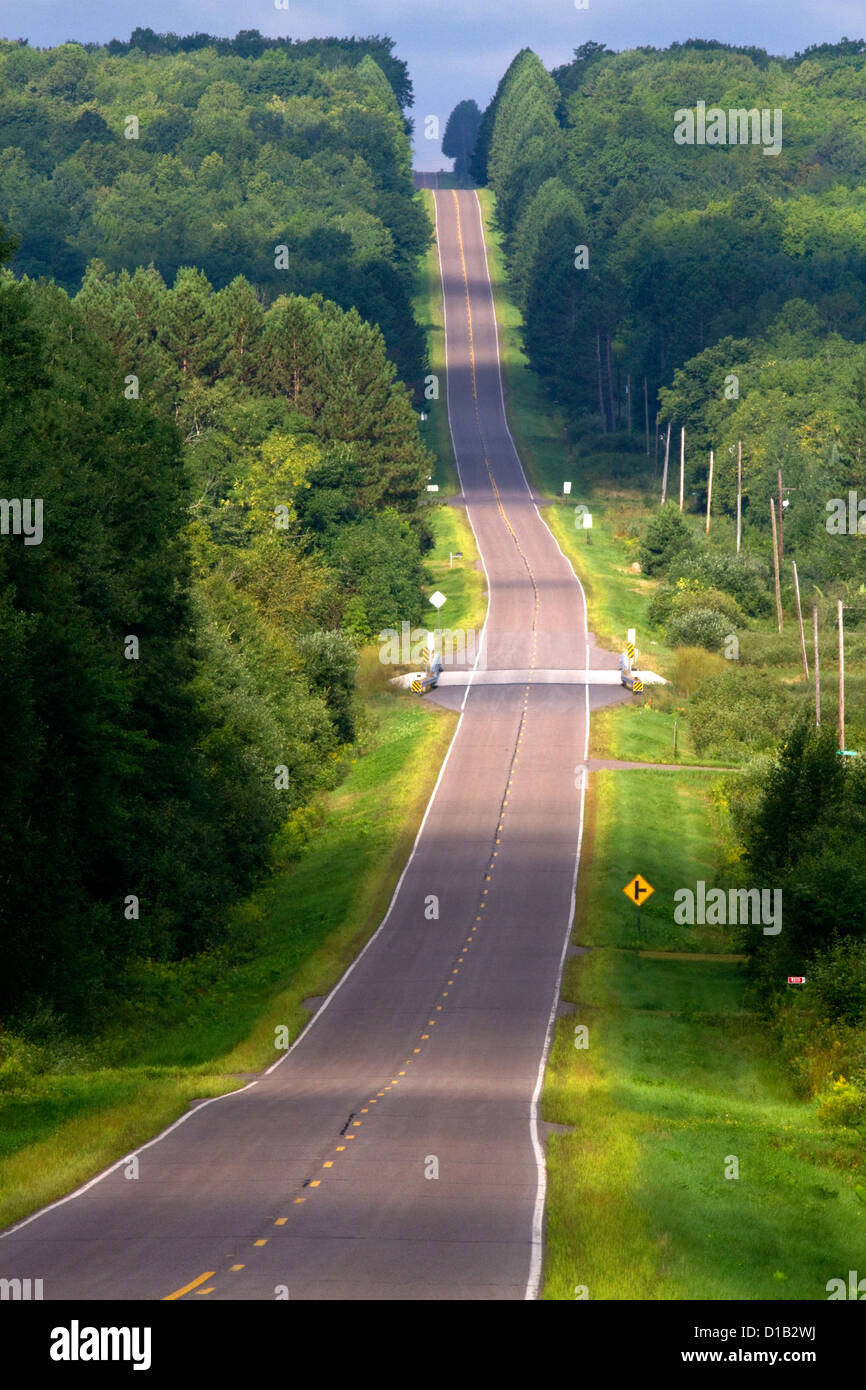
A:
455, 48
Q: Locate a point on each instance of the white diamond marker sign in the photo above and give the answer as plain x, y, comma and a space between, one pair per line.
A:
437, 599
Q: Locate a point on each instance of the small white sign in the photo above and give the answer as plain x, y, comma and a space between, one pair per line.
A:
438, 599
566, 489
432, 487
587, 521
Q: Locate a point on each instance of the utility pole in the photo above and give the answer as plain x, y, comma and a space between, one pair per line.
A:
682, 461
841, 677
800, 619
781, 520
776, 564
656, 463
709, 492
665, 472
817, 677
739, 492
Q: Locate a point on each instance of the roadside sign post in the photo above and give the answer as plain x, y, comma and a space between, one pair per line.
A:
636, 890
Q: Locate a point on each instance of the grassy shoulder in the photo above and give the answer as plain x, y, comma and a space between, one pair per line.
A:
617, 596
454, 561
676, 1091
429, 311
189, 1031
454, 565
643, 732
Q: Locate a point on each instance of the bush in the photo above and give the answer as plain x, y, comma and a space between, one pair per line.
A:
745, 577
843, 1104
671, 600
331, 663
694, 665
379, 562
697, 627
838, 981
666, 538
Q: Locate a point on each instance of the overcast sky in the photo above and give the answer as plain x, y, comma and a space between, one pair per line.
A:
454, 48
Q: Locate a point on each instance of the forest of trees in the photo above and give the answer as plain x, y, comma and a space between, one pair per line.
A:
687, 244
230, 474
213, 153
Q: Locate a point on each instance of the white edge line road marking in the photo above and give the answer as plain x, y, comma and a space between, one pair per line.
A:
227, 1095
538, 1213
456, 459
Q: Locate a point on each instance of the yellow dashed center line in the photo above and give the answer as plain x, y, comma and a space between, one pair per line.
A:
341, 1148
179, 1293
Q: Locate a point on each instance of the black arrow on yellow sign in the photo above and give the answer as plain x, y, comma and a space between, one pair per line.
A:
637, 890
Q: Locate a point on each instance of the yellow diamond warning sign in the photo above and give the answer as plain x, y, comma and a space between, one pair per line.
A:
638, 890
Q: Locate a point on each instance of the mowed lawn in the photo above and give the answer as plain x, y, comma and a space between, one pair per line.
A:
677, 1088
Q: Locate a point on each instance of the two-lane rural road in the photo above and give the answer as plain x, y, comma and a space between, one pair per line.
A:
393, 1152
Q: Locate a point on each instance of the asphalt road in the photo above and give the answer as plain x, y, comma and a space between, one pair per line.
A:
393, 1152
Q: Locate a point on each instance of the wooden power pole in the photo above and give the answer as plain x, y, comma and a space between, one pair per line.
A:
781, 520
841, 677
739, 492
800, 619
817, 675
709, 492
682, 461
776, 564
665, 469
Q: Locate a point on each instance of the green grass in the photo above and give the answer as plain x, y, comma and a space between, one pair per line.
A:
461, 582
428, 310
675, 1081
67, 1109
641, 732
